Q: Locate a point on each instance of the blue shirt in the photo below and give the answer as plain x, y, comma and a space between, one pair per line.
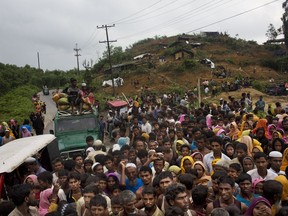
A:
245, 201
135, 187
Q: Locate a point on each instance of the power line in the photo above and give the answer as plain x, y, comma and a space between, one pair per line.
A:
236, 15
156, 9
157, 15
131, 15
171, 21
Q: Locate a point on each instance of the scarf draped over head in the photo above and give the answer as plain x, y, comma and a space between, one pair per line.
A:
283, 180
262, 123
254, 203
242, 128
270, 135
25, 132
249, 143
255, 182
196, 153
44, 201
204, 179
284, 160
234, 132
33, 178
182, 163
259, 148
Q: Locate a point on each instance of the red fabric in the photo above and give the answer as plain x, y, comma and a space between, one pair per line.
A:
1, 184
117, 103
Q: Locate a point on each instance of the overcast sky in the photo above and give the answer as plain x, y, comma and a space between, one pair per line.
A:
53, 27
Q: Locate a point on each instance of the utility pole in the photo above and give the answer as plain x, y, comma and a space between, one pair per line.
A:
109, 53
77, 56
38, 59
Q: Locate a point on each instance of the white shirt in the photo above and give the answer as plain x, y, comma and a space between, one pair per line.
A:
146, 127
254, 175
208, 158
278, 173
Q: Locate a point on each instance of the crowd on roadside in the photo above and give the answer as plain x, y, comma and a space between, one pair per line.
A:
169, 158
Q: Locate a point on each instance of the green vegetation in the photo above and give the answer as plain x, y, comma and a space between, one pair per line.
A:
17, 103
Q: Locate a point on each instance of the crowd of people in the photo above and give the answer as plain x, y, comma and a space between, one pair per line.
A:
169, 158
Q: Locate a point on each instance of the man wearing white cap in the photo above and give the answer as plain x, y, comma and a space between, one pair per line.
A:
275, 161
131, 183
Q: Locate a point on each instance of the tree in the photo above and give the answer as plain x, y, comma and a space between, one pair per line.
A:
271, 32
285, 22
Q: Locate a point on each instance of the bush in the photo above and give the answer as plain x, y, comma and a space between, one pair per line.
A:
17, 103
258, 85
189, 63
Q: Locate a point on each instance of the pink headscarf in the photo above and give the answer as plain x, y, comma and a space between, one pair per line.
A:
44, 201
34, 179
25, 132
209, 121
270, 135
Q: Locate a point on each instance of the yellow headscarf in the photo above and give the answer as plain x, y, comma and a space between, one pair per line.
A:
283, 180
182, 163
259, 147
284, 160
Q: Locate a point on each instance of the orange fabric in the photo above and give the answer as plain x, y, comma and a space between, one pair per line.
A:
262, 123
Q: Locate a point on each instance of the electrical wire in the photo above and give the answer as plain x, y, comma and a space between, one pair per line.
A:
236, 15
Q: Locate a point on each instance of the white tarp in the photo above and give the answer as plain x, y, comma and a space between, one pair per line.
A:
117, 82
15, 152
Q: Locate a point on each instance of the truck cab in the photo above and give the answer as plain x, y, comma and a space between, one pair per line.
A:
71, 131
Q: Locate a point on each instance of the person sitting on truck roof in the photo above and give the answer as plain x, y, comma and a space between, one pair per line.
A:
74, 95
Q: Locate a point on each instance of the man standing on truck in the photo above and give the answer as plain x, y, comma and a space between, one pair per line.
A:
74, 95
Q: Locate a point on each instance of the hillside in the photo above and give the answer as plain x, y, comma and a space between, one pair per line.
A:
239, 58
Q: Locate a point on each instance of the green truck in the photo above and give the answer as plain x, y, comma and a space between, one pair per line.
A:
71, 131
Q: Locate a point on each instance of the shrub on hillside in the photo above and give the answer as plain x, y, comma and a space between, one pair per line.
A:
17, 103
258, 86
189, 63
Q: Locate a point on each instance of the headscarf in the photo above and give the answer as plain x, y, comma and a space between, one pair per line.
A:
114, 176
219, 131
44, 201
209, 121
25, 132
283, 180
270, 135
255, 182
262, 123
255, 201
249, 142
175, 169
181, 143
284, 160
279, 134
234, 133
259, 147
242, 128
182, 163
249, 158
196, 153
33, 177
204, 179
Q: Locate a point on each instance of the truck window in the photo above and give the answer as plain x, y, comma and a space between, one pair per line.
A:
68, 125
